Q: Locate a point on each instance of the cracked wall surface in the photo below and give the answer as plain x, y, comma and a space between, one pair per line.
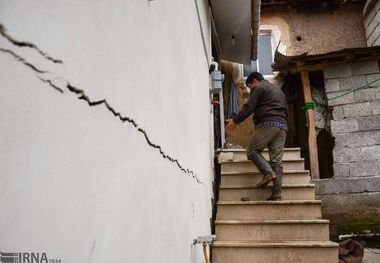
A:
106, 125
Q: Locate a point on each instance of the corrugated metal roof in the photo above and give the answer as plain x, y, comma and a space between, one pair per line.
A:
283, 62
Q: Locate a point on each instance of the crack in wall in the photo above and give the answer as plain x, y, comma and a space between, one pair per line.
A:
48, 81
15, 42
82, 96
124, 119
20, 59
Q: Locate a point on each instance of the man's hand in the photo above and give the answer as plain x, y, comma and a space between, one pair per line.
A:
230, 125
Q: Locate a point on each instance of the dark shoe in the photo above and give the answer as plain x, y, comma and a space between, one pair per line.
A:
274, 198
266, 180
244, 199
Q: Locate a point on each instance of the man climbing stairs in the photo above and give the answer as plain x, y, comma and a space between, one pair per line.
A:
258, 231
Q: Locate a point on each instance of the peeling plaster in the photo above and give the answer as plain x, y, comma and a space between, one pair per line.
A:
82, 96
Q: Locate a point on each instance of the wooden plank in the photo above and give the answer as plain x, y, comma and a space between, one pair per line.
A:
313, 150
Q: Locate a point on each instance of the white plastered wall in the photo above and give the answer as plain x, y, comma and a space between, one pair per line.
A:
75, 181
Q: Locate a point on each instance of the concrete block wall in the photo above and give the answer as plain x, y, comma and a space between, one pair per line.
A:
356, 128
372, 25
356, 118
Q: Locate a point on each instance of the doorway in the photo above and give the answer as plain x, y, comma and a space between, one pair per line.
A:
298, 130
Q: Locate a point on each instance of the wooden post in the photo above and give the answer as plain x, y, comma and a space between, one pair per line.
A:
313, 150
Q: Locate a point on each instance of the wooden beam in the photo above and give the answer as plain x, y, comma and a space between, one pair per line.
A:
318, 67
313, 150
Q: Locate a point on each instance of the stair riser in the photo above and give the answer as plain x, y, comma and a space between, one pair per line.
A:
242, 156
272, 211
253, 179
278, 255
272, 232
306, 193
249, 167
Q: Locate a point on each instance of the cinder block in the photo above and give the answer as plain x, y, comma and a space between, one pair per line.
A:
347, 186
352, 82
346, 99
368, 94
369, 123
345, 155
338, 113
357, 139
363, 168
357, 110
341, 170
341, 71
373, 184
365, 67
371, 152
375, 107
332, 85
339, 186
373, 77
376, 135
343, 126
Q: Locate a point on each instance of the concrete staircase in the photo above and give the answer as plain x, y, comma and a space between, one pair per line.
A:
259, 231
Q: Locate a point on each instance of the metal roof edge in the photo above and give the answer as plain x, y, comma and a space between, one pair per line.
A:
282, 61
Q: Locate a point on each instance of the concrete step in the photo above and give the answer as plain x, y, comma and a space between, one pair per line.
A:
269, 252
240, 210
241, 155
248, 166
252, 178
272, 230
289, 192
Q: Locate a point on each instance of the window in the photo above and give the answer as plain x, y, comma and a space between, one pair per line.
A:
264, 57
269, 36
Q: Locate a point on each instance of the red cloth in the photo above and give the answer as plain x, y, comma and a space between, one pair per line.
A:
350, 251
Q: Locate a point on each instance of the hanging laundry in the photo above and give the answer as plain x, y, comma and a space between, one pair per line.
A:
233, 107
